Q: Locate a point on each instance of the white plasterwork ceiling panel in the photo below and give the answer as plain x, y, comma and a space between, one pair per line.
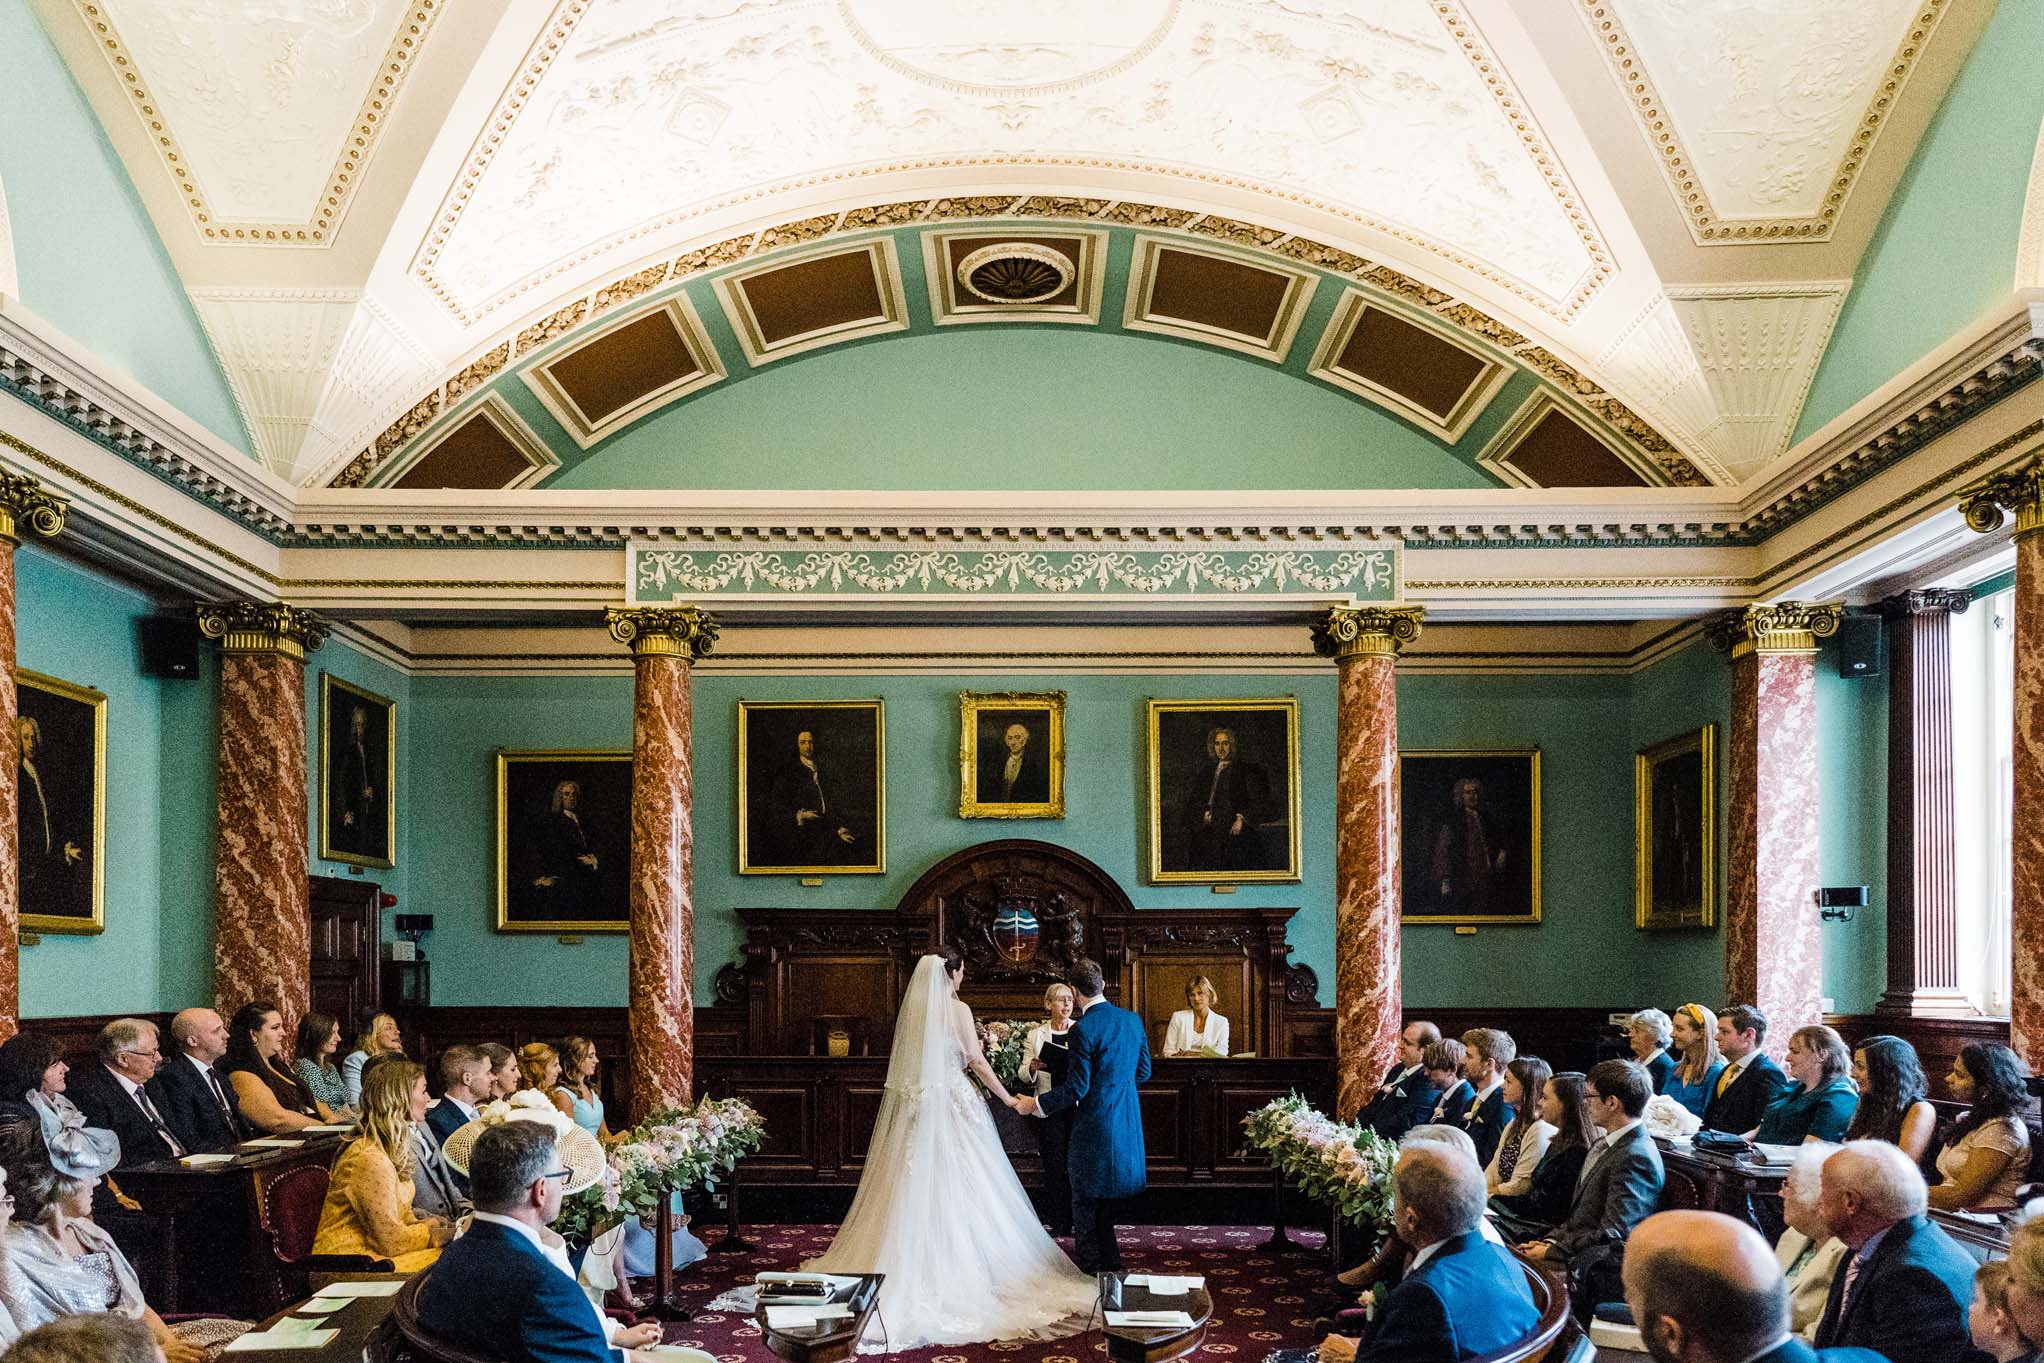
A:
630, 118
265, 112
1761, 112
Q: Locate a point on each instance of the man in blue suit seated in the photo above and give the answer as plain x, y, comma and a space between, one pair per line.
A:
1704, 1288
498, 1291
1404, 1097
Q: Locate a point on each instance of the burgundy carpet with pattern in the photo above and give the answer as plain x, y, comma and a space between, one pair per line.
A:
1262, 1302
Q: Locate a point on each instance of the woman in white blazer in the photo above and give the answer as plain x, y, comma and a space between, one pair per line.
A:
1198, 1028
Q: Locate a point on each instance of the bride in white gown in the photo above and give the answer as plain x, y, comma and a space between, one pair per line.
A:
939, 1209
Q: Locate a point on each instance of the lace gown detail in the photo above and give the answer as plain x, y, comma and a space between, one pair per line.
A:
940, 1211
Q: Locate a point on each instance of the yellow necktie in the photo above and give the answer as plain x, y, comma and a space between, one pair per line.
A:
1725, 1080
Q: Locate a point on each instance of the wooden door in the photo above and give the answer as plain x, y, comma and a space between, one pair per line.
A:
346, 933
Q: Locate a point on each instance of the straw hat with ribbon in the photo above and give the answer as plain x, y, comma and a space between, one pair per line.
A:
580, 1153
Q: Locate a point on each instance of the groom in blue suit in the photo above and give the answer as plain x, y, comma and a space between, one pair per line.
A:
1110, 1056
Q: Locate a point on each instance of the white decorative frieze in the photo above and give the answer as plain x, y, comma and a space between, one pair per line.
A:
277, 347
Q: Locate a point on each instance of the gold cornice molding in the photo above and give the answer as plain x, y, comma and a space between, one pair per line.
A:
26, 505
263, 627
1784, 627
676, 631
2019, 490
1366, 631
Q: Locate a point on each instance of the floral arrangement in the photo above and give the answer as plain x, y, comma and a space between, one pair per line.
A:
672, 1151
1347, 1166
1006, 1045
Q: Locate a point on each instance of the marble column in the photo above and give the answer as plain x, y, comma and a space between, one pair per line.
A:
665, 644
1773, 952
262, 910
1365, 642
25, 509
1923, 909
2021, 491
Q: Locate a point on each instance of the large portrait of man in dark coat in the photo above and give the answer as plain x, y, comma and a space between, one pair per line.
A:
812, 790
564, 841
358, 764
60, 776
1224, 782
1471, 849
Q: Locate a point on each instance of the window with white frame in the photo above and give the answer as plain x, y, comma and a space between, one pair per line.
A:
1983, 733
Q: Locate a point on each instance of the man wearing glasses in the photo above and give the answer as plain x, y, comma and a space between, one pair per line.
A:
121, 1094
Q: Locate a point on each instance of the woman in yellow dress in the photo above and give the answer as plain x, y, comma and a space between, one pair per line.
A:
369, 1194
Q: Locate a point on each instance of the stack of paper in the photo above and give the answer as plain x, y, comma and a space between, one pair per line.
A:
804, 1317
201, 1161
288, 1333
1149, 1320
271, 1143
1162, 1285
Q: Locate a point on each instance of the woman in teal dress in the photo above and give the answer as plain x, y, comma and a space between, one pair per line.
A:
577, 1096
1820, 1106
1698, 1063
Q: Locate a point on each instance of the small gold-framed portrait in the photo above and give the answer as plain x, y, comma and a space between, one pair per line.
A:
357, 774
1471, 835
564, 841
1675, 808
61, 850
1011, 754
1224, 791
812, 787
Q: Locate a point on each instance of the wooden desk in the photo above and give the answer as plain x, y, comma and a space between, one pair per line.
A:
203, 1218
1721, 1183
1153, 1344
367, 1333
830, 1342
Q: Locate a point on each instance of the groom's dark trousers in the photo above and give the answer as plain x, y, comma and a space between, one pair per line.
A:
1110, 1056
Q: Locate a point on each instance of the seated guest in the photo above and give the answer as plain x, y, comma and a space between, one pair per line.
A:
1694, 1029
118, 1096
319, 1039
1621, 1182
578, 1085
1904, 1286
503, 1071
270, 1095
369, 1194
464, 1087
380, 1037
1808, 1252
435, 1193
98, 1338
497, 1291
1988, 1322
1892, 1106
1197, 1029
32, 1070
2026, 1278
1750, 1080
1510, 1170
1390, 1259
1403, 1097
199, 1105
1986, 1158
1648, 1032
539, 1069
1489, 1051
1444, 1060
1820, 1106
1545, 1203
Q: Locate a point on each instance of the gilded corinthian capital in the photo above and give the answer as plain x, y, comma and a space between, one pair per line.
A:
26, 504
2020, 490
683, 631
1784, 627
263, 627
1362, 631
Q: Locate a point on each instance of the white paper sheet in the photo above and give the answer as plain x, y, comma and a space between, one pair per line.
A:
802, 1317
270, 1339
1149, 1319
374, 1288
201, 1161
272, 1143
1166, 1285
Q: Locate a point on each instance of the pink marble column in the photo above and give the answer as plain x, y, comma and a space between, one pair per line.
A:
665, 645
262, 911
1773, 951
2021, 490
1364, 642
25, 509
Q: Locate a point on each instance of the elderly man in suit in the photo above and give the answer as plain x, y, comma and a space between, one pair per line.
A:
1617, 1189
198, 1104
1404, 1097
1750, 1080
1904, 1286
120, 1093
1704, 1288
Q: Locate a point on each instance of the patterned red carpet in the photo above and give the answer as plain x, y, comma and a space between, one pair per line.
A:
1262, 1302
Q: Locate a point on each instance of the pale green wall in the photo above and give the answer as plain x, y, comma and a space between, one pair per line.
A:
1945, 250
88, 255
1852, 844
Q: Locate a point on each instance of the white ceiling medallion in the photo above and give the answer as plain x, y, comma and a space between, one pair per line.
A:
1761, 113
1014, 272
264, 114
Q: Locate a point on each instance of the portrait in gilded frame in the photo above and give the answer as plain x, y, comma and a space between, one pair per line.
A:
61, 729
812, 787
357, 774
1471, 835
1011, 754
1675, 831
564, 841
1224, 791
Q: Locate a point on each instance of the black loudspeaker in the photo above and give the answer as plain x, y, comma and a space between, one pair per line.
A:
170, 648
1862, 646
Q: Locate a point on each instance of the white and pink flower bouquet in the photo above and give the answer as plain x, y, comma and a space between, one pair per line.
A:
1348, 1167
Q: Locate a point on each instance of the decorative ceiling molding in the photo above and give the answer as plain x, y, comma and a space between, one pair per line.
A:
881, 273
493, 409
587, 429
375, 370
2029, 245
1274, 327
274, 128
1761, 115
953, 300
1499, 452
277, 349
10, 278
1758, 348
1490, 374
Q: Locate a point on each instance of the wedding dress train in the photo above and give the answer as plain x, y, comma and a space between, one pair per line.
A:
939, 1209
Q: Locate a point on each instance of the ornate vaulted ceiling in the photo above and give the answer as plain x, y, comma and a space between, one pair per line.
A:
394, 218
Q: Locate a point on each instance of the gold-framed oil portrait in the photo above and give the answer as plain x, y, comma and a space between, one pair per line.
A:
357, 774
564, 840
61, 848
1011, 754
1471, 819
1224, 791
1675, 807
812, 787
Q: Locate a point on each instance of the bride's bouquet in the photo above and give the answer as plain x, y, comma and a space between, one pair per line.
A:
1329, 1161
1006, 1044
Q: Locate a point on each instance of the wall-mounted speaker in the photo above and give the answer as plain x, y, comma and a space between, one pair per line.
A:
1862, 642
170, 647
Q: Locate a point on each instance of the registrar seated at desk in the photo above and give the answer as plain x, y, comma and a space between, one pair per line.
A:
1197, 1030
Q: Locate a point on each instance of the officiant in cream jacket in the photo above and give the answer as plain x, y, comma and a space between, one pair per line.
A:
1198, 1028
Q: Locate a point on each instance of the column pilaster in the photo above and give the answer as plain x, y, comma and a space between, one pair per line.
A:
26, 508
1364, 643
665, 643
1773, 951
262, 910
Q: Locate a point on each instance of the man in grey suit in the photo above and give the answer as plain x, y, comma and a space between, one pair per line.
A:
1620, 1183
